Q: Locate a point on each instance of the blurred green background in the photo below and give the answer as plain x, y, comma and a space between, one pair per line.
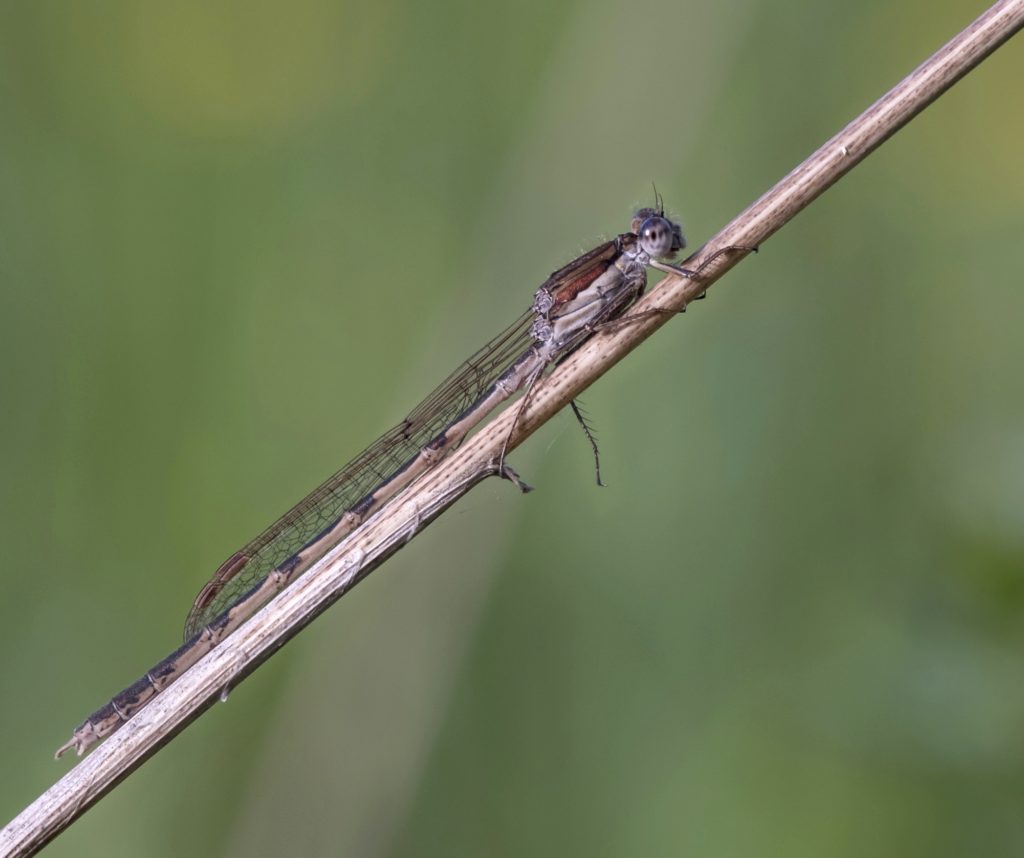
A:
238, 241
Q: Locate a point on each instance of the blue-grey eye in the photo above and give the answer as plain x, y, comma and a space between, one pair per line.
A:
657, 237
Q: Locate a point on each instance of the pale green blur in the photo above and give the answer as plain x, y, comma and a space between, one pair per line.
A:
238, 241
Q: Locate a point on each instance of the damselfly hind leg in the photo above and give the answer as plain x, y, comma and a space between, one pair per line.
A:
582, 419
506, 472
531, 382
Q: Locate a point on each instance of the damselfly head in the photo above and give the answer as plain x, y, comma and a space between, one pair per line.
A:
659, 237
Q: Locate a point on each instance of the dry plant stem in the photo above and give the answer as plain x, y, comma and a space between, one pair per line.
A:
438, 489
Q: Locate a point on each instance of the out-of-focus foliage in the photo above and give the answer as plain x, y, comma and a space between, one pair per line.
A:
239, 240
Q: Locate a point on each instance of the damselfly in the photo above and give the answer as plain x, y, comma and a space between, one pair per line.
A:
591, 291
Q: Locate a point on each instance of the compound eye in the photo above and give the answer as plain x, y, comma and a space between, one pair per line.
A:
656, 236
